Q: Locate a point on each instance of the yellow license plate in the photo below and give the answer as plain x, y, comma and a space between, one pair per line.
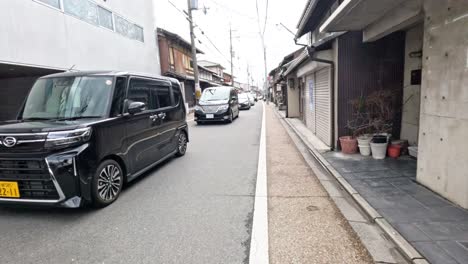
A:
9, 189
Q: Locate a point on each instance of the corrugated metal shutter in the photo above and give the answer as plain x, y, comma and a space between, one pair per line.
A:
323, 105
309, 106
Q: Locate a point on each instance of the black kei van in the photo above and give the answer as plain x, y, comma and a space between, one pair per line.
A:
81, 136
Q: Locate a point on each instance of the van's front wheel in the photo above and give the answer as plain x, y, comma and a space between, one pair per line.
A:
107, 183
181, 144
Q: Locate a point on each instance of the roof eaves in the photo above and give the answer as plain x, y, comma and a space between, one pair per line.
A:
177, 38
310, 6
295, 63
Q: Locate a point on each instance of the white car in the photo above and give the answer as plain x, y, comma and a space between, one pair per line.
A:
254, 96
251, 99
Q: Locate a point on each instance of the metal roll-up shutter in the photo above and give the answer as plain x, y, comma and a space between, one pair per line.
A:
309, 106
323, 105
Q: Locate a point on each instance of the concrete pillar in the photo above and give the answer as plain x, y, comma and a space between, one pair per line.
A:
443, 143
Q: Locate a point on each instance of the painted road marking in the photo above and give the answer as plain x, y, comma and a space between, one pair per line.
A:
259, 239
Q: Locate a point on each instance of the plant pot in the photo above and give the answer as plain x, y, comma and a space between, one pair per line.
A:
364, 140
365, 150
348, 145
394, 151
379, 150
404, 146
380, 139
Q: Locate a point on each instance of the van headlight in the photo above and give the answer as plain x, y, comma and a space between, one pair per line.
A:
198, 108
63, 139
223, 108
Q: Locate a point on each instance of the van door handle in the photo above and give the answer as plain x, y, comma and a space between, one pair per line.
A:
153, 118
162, 115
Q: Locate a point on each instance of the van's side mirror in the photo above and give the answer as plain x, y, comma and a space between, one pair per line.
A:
136, 107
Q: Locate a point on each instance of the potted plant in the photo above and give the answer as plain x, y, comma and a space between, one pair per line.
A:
348, 144
364, 144
374, 114
383, 107
360, 125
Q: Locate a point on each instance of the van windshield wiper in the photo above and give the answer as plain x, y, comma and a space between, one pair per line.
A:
37, 119
77, 117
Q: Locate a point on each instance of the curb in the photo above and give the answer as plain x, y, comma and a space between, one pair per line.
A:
408, 250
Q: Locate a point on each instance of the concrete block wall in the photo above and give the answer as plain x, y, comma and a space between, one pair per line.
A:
13, 92
443, 145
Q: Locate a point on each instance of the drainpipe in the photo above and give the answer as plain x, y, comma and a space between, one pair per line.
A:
310, 52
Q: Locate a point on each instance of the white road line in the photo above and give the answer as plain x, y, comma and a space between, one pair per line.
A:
259, 240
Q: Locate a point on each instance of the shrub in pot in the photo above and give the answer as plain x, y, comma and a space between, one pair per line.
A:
348, 144
379, 145
364, 144
375, 113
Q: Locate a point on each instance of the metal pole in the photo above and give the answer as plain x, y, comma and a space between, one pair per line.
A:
194, 54
248, 78
232, 56
266, 73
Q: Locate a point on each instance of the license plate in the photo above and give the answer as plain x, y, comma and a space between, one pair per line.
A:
9, 189
210, 116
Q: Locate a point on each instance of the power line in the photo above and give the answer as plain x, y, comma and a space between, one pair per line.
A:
233, 10
201, 31
181, 11
211, 42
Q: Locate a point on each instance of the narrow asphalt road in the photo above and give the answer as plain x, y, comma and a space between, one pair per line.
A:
194, 209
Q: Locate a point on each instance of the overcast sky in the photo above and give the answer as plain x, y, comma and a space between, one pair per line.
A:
242, 16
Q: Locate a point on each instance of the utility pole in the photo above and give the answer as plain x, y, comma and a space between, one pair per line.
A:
266, 71
232, 55
194, 53
248, 77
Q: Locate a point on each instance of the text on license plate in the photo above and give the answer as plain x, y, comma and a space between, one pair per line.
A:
9, 189
210, 116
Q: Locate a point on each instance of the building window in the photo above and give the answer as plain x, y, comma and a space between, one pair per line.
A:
191, 64
53, 3
171, 56
128, 29
94, 14
84, 10
105, 18
122, 26
137, 33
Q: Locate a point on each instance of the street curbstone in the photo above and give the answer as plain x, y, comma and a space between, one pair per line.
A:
400, 241
373, 214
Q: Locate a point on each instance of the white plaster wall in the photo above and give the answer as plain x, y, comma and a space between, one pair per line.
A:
443, 144
35, 34
412, 93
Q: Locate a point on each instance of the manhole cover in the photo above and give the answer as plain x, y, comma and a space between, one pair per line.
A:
311, 208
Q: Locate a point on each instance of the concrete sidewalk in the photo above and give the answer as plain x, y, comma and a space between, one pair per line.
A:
420, 222
305, 226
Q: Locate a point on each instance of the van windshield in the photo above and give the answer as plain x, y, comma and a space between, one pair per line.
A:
68, 98
215, 94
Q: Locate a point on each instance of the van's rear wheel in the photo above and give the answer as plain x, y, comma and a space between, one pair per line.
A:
107, 183
181, 144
